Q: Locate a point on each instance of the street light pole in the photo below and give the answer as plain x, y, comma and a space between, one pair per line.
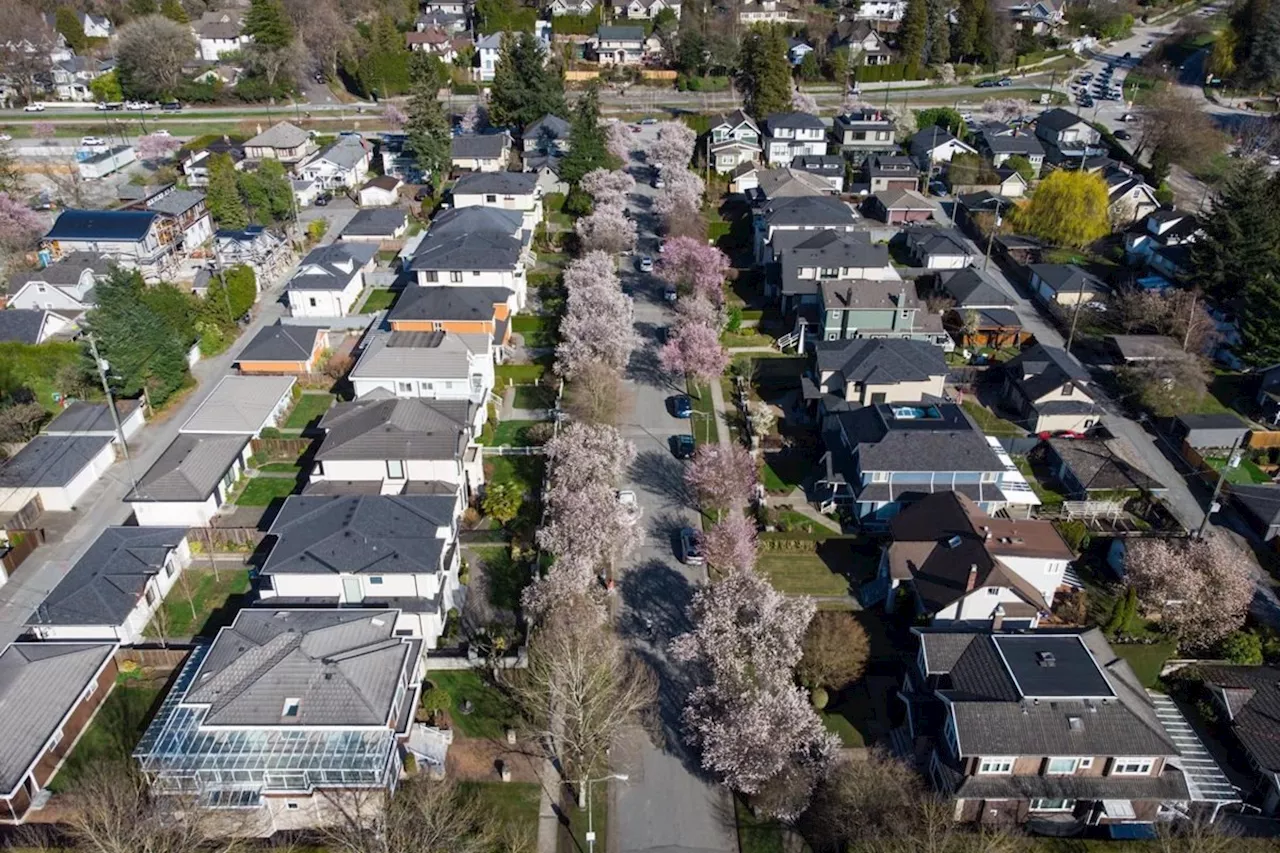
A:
591, 826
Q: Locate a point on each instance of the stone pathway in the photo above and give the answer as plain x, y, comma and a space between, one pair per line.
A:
722, 420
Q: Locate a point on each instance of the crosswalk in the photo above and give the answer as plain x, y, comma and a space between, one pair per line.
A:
1205, 779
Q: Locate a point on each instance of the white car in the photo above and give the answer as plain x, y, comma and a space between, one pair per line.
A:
86, 141
4, 137
166, 134
37, 107
630, 506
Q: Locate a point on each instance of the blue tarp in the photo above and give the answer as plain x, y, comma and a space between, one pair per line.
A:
1131, 831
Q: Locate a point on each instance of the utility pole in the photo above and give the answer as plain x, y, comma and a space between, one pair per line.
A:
101, 364
1075, 315
1217, 489
991, 238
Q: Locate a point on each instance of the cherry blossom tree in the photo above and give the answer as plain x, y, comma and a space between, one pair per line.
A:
672, 148
618, 140
1200, 589
43, 129
721, 476
730, 544
681, 196
694, 349
155, 146
395, 116
475, 119
593, 268
699, 310
608, 188
606, 230
803, 102
19, 225
597, 327
693, 266
754, 726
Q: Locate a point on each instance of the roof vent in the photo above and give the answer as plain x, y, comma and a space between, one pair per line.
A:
281, 614
1046, 659
954, 541
1076, 724
378, 621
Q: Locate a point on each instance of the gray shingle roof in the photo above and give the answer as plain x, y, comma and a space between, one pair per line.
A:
1254, 696
620, 33
21, 324
1100, 465
1057, 119
376, 222
883, 360
1068, 278
792, 120
81, 418
1040, 369
281, 342
973, 288
1023, 143
810, 211
343, 667
190, 468
937, 241
105, 584
824, 249
240, 405
447, 303
498, 183
470, 238
361, 534
1260, 501
419, 355
64, 272
344, 152
177, 202
945, 441
50, 461
396, 429
40, 684
479, 146
324, 267
282, 135
549, 127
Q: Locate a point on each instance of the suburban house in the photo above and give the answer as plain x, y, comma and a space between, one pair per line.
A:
884, 11
185, 219
342, 164
1099, 468
282, 349
1003, 142
191, 479
1038, 16
195, 163
890, 172
382, 191
285, 142
96, 26
938, 248
242, 405
456, 309
1068, 138
866, 45
772, 12
632, 9
734, 139
439, 19
287, 713
571, 7
94, 419
114, 589
218, 33
49, 694
883, 456
763, 185
432, 365
1065, 284
789, 135
397, 443
1162, 229
802, 260
440, 39
1049, 730
502, 190
829, 168
475, 247
73, 76
488, 49
255, 247
866, 371
65, 286
1211, 431
329, 279
935, 145
1130, 197
35, 325
1048, 389
376, 225
1246, 697
618, 46
472, 152
798, 214
548, 135
865, 131
965, 567
134, 239
58, 469
1259, 506
872, 308
981, 313
900, 206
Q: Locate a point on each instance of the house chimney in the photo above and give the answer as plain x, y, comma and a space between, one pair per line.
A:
973, 578
997, 618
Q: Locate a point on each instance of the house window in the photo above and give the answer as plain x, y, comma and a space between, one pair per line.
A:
432, 276
1068, 389
1045, 805
168, 568
455, 276
1131, 766
1086, 763
290, 708
993, 590
405, 387
475, 273
395, 469
311, 300
490, 199
375, 581
291, 805
829, 272
319, 469
150, 596
1060, 767
1000, 766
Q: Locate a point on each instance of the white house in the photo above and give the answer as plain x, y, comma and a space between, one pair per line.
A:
938, 248
881, 10
94, 419
734, 139
341, 165
431, 365
242, 405
195, 163
285, 142
66, 285
131, 238
866, 45
369, 549
329, 279
254, 246
114, 590
219, 33
57, 469
488, 49
72, 77
618, 45
769, 12
392, 440
480, 152
382, 191
789, 135
104, 163
571, 7
377, 225
476, 247
190, 481
96, 26
518, 191
35, 325
634, 9
935, 145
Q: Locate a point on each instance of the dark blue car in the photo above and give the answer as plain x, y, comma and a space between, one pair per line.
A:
681, 406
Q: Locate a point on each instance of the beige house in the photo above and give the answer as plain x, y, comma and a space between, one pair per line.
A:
865, 371
1048, 388
285, 142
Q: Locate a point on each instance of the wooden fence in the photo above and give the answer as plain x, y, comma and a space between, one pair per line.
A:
21, 544
25, 518
226, 538
1263, 438
281, 449
658, 74
167, 659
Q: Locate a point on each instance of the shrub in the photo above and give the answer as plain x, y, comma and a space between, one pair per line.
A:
735, 319
819, 698
435, 700
410, 764
1242, 647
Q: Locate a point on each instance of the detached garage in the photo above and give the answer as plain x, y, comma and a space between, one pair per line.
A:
60, 469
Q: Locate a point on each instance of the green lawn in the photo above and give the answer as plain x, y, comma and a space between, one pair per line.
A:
310, 406
573, 839
379, 300
705, 427
756, 834
784, 470
511, 805
536, 329
746, 338
508, 434
829, 567
1244, 474
492, 711
507, 374
847, 713
113, 734
534, 397
1046, 495
1146, 661
988, 421
526, 471
35, 367
281, 468
261, 491
208, 593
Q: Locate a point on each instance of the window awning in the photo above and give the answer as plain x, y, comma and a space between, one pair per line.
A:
1119, 808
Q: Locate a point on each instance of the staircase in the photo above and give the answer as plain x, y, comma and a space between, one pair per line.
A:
787, 340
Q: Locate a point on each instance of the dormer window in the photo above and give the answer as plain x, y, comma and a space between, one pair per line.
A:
290, 708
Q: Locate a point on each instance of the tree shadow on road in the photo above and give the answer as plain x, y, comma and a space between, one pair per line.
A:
660, 472
644, 366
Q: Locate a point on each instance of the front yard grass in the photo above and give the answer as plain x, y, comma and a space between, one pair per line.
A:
261, 491
511, 805
573, 838
1146, 660
508, 434
113, 734
989, 422
705, 429
835, 566
756, 834
209, 593
1047, 496
379, 299
310, 407
507, 374
1245, 474
534, 397
491, 709
524, 471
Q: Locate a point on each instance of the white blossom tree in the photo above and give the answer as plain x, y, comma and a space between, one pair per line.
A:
606, 230
803, 101
694, 349
1200, 589
618, 140
681, 195
694, 267
593, 268
722, 476
156, 146
597, 327
475, 119
730, 544
608, 187
672, 149
698, 310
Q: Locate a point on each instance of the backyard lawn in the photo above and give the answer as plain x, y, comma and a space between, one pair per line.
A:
525, 471
508, 434
281, 467
1244, 474
988, 421
1046, 495
514, 805
113, 733
1146, 660
506, 374
833, 567
261, 491
208, 593
756, 834
308, 408
785, 470
534, 397
847, 713
380, 299
491, 710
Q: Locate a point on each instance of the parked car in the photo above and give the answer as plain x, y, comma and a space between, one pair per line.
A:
690, 547
658, 183
1004, 82
86, 141
35, 107
682, 446
987, 84
648, 120
669, 293
682, 406
1123, 135
322, 200
172, 107
4, 137
166, 134
646, 264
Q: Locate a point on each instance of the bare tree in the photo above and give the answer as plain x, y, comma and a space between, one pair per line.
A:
422, 815
835, 651
322, 28
1174, 126
582, 687
276, 63
1197, 835
24, 47
150, 54
596, 395
1179, 314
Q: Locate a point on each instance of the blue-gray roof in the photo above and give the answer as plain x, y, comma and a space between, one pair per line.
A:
50, 461
107, 225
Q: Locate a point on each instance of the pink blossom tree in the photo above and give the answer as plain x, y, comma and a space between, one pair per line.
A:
598, 326
694, 349
395, 116
43, 129
754, 726
1199, 589
730, 544
155, 146
475, 119
722, 477
608, 188
593, 268
20, 226
681, 196
618, 140
693, 266
606, 230
698, 310
803, 102
673, 147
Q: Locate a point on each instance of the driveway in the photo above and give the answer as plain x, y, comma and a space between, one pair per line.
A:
666, 805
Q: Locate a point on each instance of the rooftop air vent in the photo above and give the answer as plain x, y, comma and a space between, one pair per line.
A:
1046, 659
1076, 724
954, 541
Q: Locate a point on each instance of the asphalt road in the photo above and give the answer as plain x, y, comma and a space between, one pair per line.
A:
665, 805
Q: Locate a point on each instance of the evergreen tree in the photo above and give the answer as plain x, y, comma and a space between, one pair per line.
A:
427, 134
587, 148
1258, 52
384, 63
67, 22
1241, 241
142, 8
223, 194
224, 304
269, 25
939, 32
278, 189
989, 23
172, 9
135, 334
964, 42
766, 73
913, 35
524, 87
